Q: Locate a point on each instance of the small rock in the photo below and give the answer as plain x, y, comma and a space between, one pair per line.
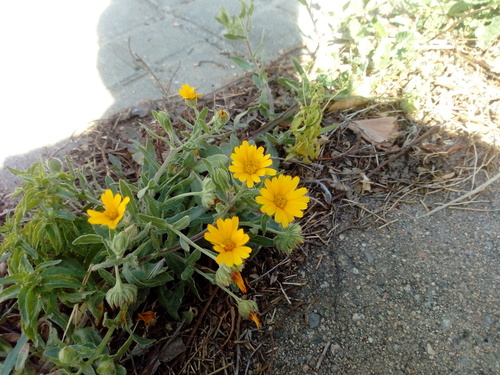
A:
369, 257
357, 317
430, 350
313, 320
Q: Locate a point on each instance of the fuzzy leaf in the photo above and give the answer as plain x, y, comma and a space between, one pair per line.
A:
242, 63
88, 239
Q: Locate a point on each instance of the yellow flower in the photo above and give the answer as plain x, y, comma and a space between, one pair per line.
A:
228, 241
114, 208
250, 163
281, 199
188, 92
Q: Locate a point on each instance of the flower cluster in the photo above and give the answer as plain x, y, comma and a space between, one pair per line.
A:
280, 197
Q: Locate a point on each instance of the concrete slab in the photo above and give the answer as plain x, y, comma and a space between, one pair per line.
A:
68, 63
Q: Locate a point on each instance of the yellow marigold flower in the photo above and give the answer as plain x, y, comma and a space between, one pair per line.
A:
281, 199
188, 92
250, 163
228, 241
114, 208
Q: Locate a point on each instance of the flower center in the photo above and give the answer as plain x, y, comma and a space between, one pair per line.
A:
229, 245
251, 167
111, 214
280, 201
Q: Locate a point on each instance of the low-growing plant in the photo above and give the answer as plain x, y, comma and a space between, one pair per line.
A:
238, 27
83, 260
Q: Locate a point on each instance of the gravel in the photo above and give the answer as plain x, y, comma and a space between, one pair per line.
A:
420, 296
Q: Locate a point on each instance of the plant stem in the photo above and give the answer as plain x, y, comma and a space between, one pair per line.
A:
99, 349
190, 242
236, 298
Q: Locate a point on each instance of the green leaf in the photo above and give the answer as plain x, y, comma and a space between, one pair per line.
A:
60, 281
5, 349
126, 191
155, 221
459, 9
193, 257
242, 63
29, 250
210, 163
184, 244
22, 357
10, 292
298, 67
65, 215
290, 84
261, 240
234, 37
142, 341
182, 223
29, 303
488, 33
171, 300
11, 360
187, 273
88, 239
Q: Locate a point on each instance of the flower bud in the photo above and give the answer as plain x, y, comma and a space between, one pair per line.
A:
223, 275
55, 165
208, 193
248, 310
106, 367
221, 118
121, 295
288, 238
226, 275
68, 355
221, 179
119, 243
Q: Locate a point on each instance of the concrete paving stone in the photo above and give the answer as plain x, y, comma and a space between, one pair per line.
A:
158, 41
115, 64
122, 16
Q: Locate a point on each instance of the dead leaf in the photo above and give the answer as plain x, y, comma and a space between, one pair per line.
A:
171, 350
366, 184
347, 103
375, 130
10, 337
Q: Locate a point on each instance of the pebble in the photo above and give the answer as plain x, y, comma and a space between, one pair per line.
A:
430, 350
357, 317
313, 320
